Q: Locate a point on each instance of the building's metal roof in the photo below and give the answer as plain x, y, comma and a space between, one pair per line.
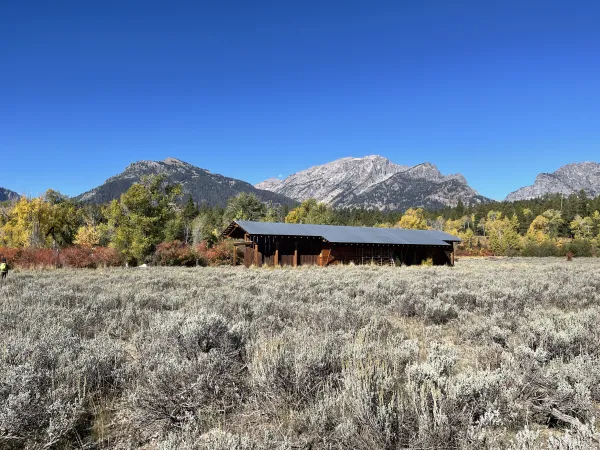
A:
348, 235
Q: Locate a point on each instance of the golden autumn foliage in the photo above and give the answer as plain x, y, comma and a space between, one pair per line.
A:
583, 227
310, 211
453, 227
27, 224
413, 219
502, 233
539, 229
87, 236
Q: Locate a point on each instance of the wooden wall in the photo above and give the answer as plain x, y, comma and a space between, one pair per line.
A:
264, 249
388, 254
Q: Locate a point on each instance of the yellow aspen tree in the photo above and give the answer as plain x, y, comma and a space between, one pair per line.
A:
539, 230
87, 236
413, 219
27, 224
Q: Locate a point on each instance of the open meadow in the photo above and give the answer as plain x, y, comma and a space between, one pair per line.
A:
500, 353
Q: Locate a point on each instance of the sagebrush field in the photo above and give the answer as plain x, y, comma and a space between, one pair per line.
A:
489, 354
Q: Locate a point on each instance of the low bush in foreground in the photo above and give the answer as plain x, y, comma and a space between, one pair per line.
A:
499, 354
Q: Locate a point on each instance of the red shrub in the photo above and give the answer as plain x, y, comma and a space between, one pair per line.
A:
10, 254
174, 253
221, 253
106, 257
36, 258
76, 257
201, 248
200, 251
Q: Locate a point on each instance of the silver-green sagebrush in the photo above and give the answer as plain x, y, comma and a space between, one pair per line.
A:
498, 354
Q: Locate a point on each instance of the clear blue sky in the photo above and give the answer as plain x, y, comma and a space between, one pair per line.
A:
498, 91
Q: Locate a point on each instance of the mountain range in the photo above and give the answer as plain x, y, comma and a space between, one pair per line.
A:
7, 194
374, 182
569, 179
204, 187
371, 182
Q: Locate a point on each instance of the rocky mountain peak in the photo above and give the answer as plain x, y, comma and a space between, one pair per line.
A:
376, 159
269, 184
175, 162
7, 194
374, 182
203, 186
424, 170
568, 179
327, 181
141, 165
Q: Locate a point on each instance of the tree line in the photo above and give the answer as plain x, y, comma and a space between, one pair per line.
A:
153, 222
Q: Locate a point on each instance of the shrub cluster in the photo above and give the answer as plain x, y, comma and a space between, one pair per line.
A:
173, 253
540, 249
221, 253
177, 253
69, 257
579, 247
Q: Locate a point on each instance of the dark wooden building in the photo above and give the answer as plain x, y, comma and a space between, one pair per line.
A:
266, 243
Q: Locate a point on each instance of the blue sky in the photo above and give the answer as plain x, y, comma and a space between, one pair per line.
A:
498, 91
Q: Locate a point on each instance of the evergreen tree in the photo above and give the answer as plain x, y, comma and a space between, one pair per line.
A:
244, 206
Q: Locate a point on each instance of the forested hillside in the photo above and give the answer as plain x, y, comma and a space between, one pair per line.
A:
204, 187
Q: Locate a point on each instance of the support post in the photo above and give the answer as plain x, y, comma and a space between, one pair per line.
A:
256, 254
323, 259
276, 262
452, 254
295, 264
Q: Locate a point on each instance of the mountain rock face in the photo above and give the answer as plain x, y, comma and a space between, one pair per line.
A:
7, 194
374, 182
269, 184
204, 186
569, 179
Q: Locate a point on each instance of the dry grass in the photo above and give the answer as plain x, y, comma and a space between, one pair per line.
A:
494, 353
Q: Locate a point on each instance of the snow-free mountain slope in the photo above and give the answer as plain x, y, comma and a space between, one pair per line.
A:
7, 194
269, 184
204, 187
569, 179
327, 181
376, 182
410, 189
